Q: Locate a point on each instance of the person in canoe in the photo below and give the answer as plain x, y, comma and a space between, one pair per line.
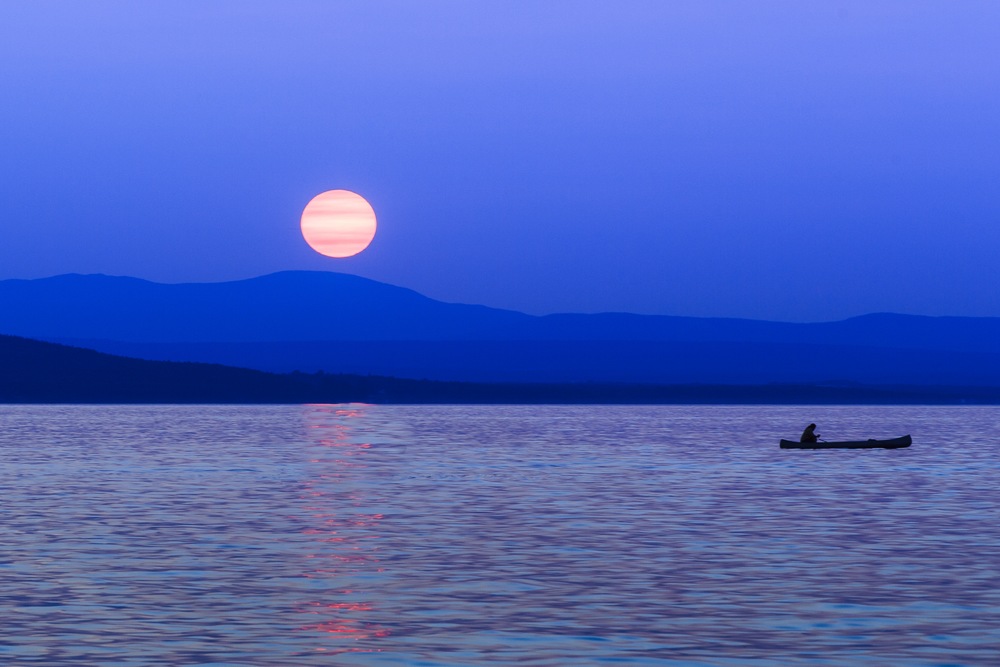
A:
810, 434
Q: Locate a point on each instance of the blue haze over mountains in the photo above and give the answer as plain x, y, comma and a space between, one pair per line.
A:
338, 323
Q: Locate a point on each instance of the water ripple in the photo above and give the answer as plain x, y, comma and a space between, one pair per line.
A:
447, 535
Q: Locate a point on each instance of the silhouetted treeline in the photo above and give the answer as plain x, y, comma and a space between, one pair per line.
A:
37, 372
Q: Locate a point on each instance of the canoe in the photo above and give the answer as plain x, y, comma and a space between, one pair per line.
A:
893, 443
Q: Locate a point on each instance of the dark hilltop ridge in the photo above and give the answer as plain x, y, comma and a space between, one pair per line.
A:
38, 372
344, 324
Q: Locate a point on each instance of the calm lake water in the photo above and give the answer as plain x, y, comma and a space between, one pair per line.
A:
456, 535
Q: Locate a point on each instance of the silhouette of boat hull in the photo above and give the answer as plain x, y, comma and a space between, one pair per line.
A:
893, 443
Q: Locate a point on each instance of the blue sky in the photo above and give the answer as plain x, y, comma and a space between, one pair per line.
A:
780, 160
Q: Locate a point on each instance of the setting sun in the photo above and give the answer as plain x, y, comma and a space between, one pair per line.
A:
338, 223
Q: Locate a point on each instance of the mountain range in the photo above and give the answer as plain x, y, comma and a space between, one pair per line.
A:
338, 323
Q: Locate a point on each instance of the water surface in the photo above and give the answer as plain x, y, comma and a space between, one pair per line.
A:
554, 535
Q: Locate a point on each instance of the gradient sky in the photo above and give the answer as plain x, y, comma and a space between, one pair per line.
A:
777, 159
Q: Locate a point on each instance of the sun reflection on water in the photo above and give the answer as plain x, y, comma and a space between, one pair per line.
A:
342, 533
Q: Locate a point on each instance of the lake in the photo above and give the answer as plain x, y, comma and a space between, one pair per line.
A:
479, 535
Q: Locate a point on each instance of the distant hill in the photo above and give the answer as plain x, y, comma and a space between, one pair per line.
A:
34, 371
39, 372
339, 323
593, 361
289, 306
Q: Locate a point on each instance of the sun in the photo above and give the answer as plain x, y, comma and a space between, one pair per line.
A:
338, 223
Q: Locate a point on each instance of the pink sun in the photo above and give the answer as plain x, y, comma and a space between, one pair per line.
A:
338, 223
